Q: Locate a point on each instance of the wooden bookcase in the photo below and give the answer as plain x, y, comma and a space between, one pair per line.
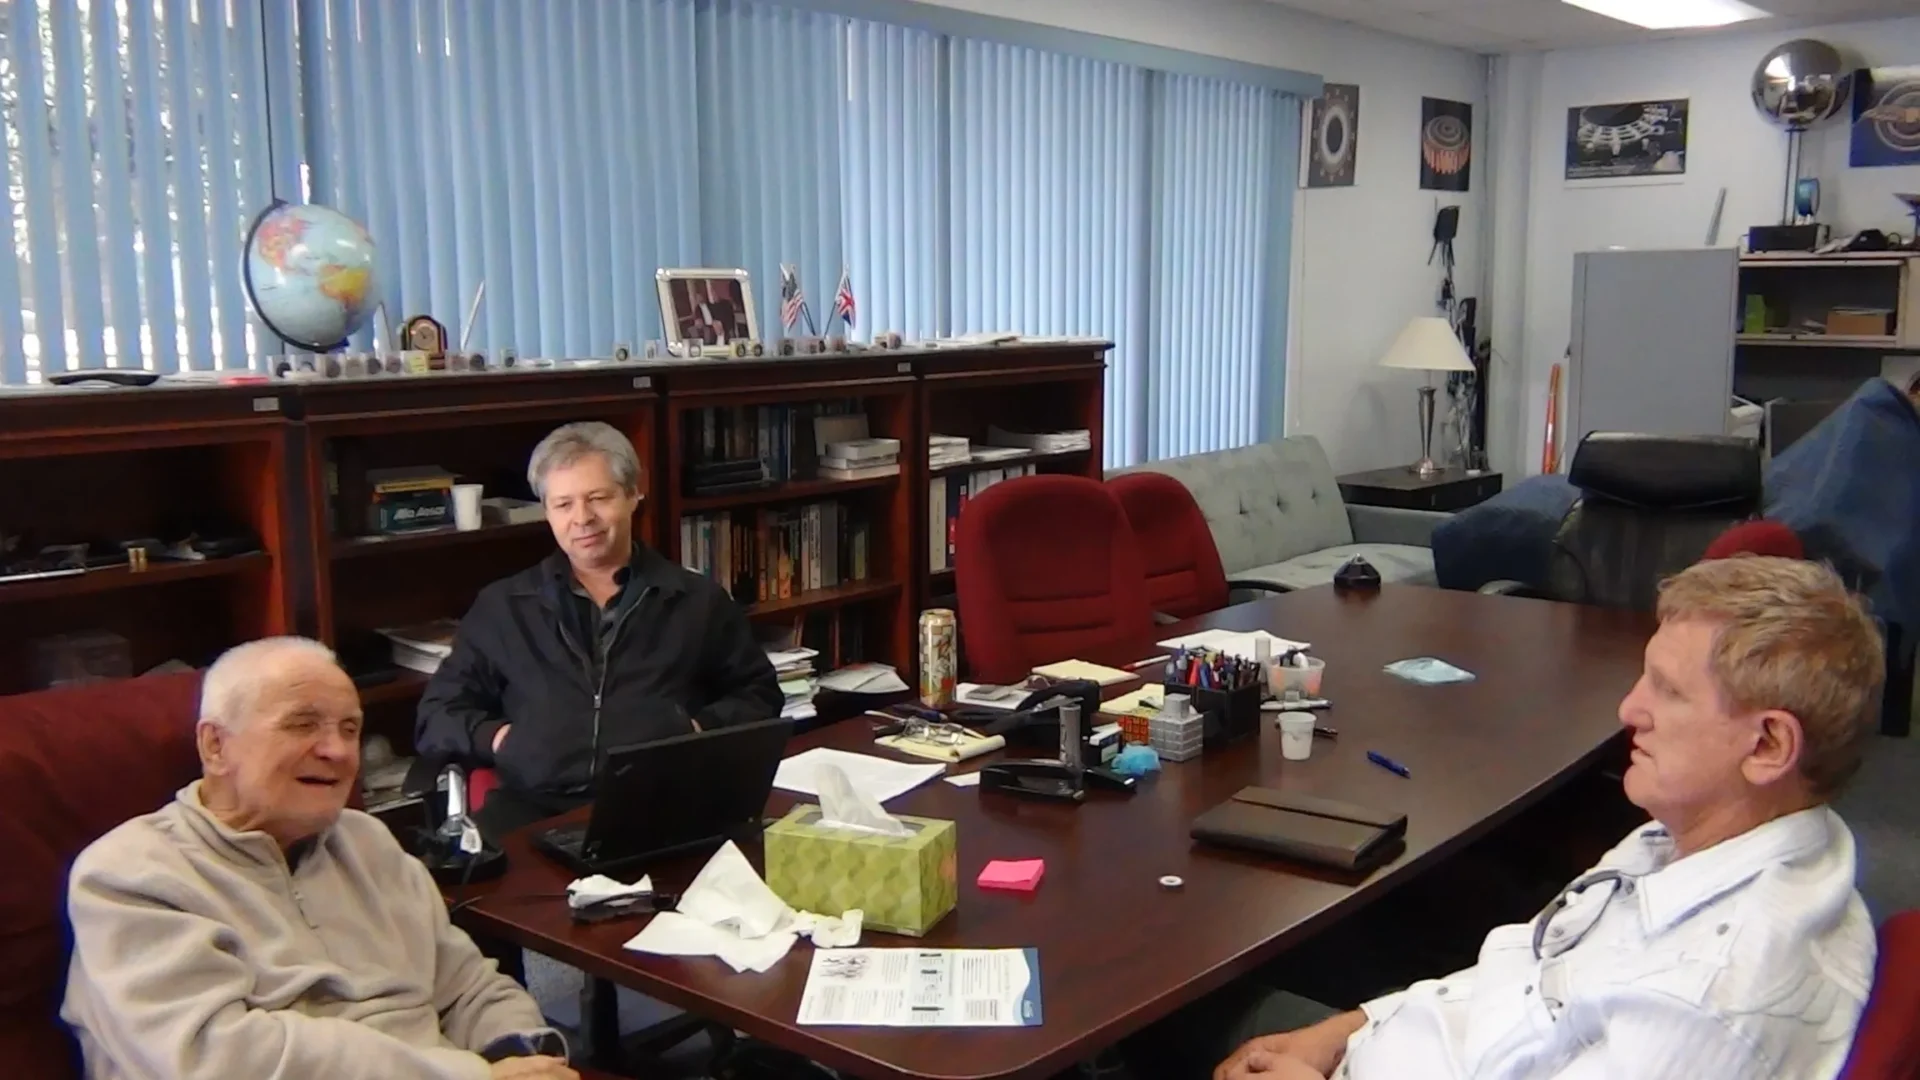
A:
288, 461
103, 466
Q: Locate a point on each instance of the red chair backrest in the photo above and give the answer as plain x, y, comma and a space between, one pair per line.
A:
1046, 568
1184, 575
74, 763
1760, 537
1887, 1044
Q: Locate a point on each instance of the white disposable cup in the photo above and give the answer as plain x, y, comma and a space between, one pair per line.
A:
466, 506
1296, 735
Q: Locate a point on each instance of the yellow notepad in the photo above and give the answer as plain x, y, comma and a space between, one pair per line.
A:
1144, 701
971, 746
1081, 669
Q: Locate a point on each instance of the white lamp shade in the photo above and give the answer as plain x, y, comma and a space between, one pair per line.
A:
1427, 344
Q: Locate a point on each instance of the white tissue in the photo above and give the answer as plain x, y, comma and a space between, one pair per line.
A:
729, 912
587, 891
843, 806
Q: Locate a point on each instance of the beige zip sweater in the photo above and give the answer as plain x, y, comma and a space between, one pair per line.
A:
198, 955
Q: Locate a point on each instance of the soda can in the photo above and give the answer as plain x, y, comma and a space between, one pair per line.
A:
938, 666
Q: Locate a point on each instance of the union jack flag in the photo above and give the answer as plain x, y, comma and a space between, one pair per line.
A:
793, 301
843, 306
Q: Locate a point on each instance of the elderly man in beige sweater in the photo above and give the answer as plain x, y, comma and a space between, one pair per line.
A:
255, 927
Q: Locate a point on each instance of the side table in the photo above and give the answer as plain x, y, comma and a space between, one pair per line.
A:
1403, 489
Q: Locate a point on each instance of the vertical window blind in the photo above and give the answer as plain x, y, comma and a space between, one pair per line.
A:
562, 151
136, 150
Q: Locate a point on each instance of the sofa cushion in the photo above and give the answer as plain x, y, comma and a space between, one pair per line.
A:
74, 763
1265, 503
1399, 564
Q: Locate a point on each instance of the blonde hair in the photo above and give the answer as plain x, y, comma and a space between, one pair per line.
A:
1789, 637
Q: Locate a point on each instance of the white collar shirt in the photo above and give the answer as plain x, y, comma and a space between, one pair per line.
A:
1751, 958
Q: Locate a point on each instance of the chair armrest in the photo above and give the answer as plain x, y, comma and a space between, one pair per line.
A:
1509, 587
1246, 590
1161, 618
1390, 525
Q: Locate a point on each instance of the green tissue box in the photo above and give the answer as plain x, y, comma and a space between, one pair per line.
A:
904, 884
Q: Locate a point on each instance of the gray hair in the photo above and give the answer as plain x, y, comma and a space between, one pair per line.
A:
233, 683
571, 442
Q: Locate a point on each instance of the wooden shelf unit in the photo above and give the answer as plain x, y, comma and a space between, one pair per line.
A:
101, 466
287, 460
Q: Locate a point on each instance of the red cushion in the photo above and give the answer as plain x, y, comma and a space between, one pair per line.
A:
1184, 575
1887, 1046
1757, 538
74, 763
1046, 569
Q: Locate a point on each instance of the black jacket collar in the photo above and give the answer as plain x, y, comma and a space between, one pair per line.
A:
647, 569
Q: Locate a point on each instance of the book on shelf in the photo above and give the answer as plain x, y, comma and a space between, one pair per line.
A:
947, 496
422, 646
859, 450
1042, 442
784, 437
865, 470
945, 450
778, 553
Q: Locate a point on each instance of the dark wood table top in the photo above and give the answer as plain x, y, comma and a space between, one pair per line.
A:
1117, 951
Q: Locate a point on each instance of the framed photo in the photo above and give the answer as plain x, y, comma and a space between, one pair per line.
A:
1333, 136
1446, 145
1886, 117
1628, 138
710, 308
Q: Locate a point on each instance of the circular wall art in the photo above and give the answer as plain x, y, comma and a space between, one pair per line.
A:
1446, 145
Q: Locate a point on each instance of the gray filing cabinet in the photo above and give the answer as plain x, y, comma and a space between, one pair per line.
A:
1652, 342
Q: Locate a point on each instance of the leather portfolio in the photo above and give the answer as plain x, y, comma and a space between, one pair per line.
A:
1324, 832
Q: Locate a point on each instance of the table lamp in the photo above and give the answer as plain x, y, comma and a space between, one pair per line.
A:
1427, 344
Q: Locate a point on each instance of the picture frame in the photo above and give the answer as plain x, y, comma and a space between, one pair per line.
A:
708, 307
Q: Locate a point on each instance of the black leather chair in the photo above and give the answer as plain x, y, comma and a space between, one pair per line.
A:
1649, 506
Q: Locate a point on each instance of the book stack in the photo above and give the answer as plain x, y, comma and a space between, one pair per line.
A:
947, 496
423, 646
860, 459
1042, 442
795, 670
774, 553
778, 435
945, 450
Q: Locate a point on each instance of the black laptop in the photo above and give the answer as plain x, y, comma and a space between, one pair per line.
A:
655, 799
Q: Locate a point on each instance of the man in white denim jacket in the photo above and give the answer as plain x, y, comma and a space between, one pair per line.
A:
1724, 941
254, 927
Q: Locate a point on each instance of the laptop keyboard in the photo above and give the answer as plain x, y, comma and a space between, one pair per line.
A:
568, 838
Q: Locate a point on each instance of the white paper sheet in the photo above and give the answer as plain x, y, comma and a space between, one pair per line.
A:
923, 988
879, 777
673, 934
971, 779
968, 693
1231, 642
864, 679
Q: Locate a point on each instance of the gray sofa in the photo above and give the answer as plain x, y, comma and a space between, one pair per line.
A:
1277, 517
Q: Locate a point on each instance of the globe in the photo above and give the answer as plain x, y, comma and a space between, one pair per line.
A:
309, 274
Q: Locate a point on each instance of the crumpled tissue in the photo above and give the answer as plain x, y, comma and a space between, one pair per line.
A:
597, 888
1428, 671
729, 912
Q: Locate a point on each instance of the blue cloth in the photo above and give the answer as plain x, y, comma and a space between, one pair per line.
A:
1508, 537
1850, 490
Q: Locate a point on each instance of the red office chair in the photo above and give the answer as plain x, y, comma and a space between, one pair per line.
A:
1887, 1044
1184, 575
1046, 568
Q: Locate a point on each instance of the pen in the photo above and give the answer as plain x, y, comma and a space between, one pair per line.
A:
1148, 662
1322, 731
1388, 764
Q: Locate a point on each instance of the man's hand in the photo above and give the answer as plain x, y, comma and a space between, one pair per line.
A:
500, 736
533, 1068
1266, 1047
1261, 1065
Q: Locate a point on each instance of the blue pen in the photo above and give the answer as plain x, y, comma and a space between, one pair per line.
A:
1388, 764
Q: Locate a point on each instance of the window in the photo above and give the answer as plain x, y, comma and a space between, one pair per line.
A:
561, 152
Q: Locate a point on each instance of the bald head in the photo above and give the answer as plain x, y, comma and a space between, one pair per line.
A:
279, 738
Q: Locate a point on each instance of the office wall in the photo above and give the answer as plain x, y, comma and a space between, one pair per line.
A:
1360, 253
1730, 146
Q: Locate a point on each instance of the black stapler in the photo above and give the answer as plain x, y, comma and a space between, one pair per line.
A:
1068, 778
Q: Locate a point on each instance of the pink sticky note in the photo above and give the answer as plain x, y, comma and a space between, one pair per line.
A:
1016, 875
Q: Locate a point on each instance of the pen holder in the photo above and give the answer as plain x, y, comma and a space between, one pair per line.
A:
1231, 715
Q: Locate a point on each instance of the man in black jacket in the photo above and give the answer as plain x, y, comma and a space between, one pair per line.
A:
604, 644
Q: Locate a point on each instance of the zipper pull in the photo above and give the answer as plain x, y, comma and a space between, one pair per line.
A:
596, 701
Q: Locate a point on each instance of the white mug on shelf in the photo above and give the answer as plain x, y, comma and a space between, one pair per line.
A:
466, 506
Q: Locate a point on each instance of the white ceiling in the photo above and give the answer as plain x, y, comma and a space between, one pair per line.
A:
1497, 26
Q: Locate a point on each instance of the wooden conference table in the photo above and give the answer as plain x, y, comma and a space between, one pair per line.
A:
1118, 951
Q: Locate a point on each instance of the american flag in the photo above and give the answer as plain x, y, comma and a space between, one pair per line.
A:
843, 306
792, 301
